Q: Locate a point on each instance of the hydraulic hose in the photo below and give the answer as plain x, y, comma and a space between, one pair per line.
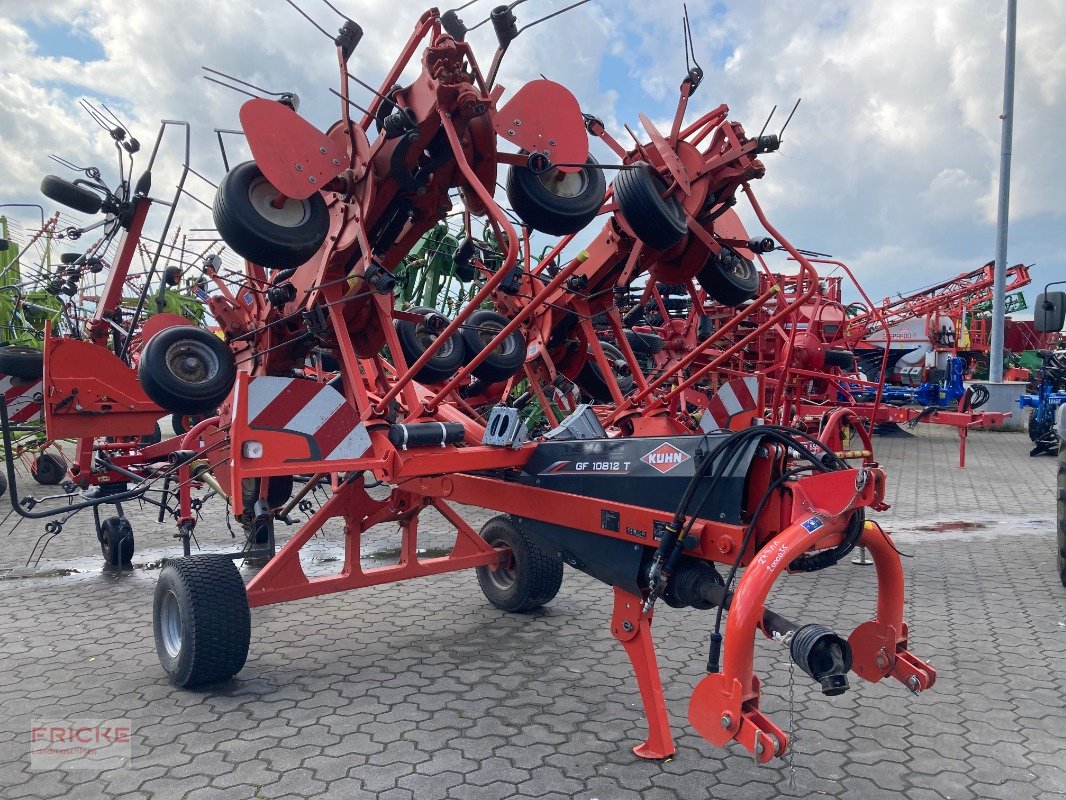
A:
67, 509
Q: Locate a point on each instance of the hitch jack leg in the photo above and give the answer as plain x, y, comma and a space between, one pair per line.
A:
633, 629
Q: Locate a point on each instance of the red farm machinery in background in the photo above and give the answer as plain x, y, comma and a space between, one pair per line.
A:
818, 367
942, 320
627, 488
88, 363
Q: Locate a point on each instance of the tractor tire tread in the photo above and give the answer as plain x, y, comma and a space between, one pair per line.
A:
257, 239
1061, 514
21, 362
660, 224
540, 572
219, 626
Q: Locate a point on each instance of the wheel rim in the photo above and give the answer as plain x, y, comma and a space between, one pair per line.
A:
170, 624
191, 361
487, 331
739, 267
293, 214
564, 184
425, 339
504, 576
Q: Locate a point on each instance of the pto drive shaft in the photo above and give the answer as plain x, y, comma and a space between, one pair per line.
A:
815, 649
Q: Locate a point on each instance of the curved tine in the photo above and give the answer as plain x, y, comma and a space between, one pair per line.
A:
117, 121
690, 46
549, 16
368, 87
227, 86
337, 11
241, 82
781, 135
761, 132
352, 103
304, 14
95, 115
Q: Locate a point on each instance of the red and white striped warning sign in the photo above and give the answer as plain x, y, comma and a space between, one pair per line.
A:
24, 398
736, 403
316, 411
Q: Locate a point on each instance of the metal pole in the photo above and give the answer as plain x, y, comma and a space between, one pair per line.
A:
861, 558
995, 365
25, 205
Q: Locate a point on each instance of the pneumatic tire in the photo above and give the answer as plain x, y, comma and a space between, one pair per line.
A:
276, 238
1034, 427
644, 344
155, 437
462, 260
554, 202
48, 469
658, 222
729, 277
503, 362
67, 194
327, 360
116, 541
278, 491
202, 622
187, 370
21, 362
841, 359
591, 381
1062, 513
415, 338
183, 423
529, 580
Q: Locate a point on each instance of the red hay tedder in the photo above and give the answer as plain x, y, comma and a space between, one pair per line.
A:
816, 368
627, 489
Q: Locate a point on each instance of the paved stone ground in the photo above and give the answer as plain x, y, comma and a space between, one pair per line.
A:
422, 690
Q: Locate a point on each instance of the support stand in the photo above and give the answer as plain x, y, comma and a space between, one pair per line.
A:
632, 628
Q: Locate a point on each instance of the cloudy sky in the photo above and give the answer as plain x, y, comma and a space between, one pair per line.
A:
890, 164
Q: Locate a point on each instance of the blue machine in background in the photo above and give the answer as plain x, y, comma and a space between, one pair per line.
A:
936, 394
1050, 394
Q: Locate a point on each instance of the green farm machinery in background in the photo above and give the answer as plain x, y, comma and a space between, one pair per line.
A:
432, 277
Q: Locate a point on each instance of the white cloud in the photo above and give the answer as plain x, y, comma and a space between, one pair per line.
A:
952, 193
153, 53
892, 157
896, 143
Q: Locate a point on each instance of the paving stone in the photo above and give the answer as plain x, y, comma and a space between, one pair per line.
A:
423, 691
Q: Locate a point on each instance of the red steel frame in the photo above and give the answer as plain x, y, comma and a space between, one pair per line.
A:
450, 99
965, 291
779, 357
108, 401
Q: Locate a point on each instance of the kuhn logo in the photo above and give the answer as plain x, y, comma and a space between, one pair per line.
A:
665, 457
